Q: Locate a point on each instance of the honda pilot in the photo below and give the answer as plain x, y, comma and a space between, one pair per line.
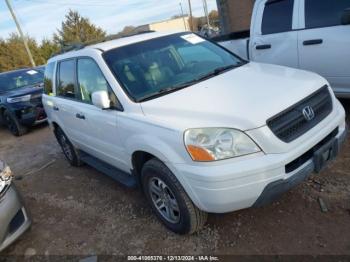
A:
197, 128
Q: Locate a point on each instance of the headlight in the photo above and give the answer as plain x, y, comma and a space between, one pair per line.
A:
18, 99
5, 176
212, 144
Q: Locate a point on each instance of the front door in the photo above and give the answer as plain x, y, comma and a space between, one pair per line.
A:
98, 129
273, 39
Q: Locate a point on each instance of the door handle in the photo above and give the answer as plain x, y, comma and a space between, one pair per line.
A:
313, 42
80, 116
55, 108
263, 47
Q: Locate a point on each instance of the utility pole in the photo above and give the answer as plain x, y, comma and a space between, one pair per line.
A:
183, 16
205, 6
21, 34
191, 18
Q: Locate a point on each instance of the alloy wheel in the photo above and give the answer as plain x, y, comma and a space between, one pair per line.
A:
164, 200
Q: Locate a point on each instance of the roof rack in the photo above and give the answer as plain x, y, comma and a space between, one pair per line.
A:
68, 48
78, 46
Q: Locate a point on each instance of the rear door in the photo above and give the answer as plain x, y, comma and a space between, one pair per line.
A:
324, 45
66, 97
273, 39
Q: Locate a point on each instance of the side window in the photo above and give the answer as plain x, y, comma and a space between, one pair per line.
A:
48, 84
66, 79
278, 16
324, 13
90, 79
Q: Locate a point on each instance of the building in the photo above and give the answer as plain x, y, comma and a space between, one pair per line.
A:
176, 24
235, 15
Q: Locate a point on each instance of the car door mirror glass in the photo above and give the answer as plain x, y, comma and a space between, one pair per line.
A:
101, 99
345, 19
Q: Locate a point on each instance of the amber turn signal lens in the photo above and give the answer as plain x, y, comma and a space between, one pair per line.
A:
199, 154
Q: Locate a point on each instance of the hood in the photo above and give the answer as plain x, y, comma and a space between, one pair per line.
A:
243, 98
28, 90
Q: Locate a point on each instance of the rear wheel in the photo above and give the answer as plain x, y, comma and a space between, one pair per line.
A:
69, 151
169, 200
13, 124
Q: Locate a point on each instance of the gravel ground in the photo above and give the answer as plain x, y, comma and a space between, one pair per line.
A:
78, 211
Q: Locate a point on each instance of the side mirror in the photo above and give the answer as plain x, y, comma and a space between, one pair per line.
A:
345, 19
101, 100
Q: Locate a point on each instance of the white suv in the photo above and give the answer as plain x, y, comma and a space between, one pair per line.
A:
198, 128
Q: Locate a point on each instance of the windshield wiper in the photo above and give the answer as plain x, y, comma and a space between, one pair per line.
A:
217, 71
164, 91
174, 88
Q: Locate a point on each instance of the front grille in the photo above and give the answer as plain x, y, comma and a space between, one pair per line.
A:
291, 123
36, 99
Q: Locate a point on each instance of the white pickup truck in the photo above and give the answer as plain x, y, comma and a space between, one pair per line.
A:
312, 35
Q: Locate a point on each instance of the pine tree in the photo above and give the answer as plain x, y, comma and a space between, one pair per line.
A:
77, 29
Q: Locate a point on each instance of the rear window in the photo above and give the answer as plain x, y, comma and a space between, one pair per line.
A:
278, 16
48, 78
324, 13
66, 79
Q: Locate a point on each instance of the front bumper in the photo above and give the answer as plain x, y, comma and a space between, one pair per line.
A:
29, 113
32, 115
275, 189
14, 218
252, 180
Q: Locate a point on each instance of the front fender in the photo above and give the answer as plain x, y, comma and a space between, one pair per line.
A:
170, 153
167, 152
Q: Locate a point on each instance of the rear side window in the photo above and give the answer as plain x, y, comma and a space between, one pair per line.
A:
278, 16
324, 13
48, 78
66, 79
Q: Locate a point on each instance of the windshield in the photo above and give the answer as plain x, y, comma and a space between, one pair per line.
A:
18, 79
162, 65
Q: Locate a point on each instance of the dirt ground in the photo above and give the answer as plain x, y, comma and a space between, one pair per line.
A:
78, 211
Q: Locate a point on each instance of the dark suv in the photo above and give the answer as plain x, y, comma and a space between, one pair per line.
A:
20, 99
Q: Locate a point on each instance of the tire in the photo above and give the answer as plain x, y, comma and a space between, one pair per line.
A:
185, 217
13, 125
69, 151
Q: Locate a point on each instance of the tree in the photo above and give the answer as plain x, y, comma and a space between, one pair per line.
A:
48, 48
214, 15
77, 29
13, 54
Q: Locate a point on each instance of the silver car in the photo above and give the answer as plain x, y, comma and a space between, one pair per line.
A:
14, 218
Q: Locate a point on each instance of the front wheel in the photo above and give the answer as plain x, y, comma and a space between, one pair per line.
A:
13, 124
169, 200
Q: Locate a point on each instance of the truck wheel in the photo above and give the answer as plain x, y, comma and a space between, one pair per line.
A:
13, 124
169, 200
69, 151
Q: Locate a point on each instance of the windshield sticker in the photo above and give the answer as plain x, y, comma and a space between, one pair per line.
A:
32, 72
193, 39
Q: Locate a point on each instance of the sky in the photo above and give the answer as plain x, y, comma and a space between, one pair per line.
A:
41, 18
